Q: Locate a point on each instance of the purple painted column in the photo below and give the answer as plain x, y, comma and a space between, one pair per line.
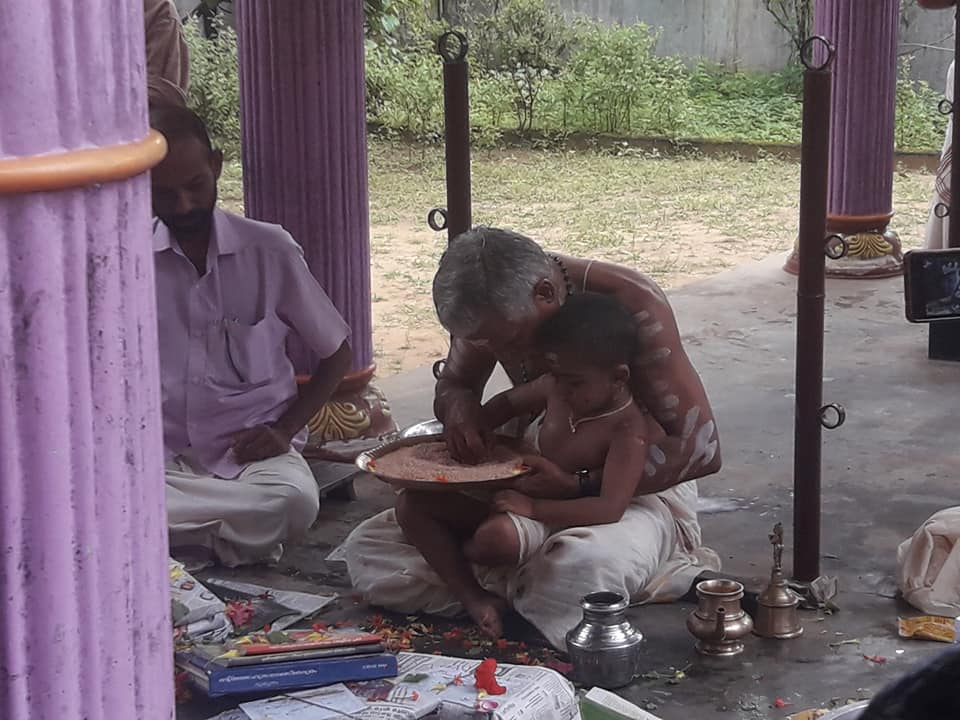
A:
305, 145
83, 561
860, 206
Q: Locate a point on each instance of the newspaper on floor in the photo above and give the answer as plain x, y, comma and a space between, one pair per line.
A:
428, 685
233, 714
198, 614
445, 685
278, 608
326, 703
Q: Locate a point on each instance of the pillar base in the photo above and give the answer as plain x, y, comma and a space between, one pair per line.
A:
870, 254
354, 419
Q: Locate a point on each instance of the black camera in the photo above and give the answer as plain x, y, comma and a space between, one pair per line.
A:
932, 284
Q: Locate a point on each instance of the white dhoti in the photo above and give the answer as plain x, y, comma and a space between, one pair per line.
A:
244, 519
652, 555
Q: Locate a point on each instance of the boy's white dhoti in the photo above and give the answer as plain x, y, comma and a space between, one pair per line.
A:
652, 555
244, 519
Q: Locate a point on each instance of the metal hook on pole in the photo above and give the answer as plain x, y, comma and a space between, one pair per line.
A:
832, 416
814, 46
453, 46
437, 219
836, 247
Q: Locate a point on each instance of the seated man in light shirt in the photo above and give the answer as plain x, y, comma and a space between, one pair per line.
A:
229, 291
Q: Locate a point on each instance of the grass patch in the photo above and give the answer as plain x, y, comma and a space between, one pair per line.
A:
677, 218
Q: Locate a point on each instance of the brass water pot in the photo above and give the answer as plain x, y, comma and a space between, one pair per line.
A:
719, 623
777, 615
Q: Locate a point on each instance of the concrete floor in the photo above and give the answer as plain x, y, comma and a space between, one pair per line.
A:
885, 471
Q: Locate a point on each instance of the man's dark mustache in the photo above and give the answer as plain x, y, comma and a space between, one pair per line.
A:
190, 220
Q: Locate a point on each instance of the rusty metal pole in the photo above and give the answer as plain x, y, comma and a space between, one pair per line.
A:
944, 336
814, 167
458, 215
953, 234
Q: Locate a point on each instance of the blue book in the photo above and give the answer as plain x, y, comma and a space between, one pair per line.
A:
216, 680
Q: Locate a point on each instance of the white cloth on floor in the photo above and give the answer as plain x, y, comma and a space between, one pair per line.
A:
652, 555
243, 519
928, 565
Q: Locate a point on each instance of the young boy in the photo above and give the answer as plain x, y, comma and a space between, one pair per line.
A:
590, 421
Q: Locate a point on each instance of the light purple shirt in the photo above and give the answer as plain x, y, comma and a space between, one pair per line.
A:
223, 361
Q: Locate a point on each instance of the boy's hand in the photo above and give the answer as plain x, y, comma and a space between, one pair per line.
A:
512, 501
547, 480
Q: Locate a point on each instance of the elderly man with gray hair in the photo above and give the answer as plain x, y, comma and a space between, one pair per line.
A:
492, 291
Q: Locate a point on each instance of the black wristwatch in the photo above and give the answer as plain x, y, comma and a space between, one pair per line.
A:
583, 480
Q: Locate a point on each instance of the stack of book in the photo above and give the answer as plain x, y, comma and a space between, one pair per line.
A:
291, 660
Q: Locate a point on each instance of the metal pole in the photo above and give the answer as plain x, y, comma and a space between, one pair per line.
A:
953, 234
456, 114
814, 166
944, 336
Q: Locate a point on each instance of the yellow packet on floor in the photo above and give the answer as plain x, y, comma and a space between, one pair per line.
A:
812, 714
929, 627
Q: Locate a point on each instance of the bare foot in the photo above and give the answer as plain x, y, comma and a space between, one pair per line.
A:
486, 609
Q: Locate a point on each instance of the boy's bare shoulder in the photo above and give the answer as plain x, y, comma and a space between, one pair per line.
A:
633, 426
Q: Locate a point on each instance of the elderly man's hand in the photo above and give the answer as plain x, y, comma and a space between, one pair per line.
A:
468, 437
260, 442
547, 480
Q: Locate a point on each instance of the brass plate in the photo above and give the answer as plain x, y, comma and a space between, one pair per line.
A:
365, 458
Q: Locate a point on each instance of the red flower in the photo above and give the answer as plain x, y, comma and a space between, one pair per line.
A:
486, 678
780, 703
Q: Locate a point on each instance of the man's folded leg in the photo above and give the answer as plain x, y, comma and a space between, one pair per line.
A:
245, 519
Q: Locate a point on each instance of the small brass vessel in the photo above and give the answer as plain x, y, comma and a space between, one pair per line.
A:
777, 615
719, 623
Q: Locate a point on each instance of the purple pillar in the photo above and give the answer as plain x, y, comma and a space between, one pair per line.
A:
305, 145
85, 628
860, 203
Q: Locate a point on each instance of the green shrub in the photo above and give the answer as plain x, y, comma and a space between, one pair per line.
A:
522, 45
214, 92
920, 126
531, 68
408, 91
740, 106
614, 83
